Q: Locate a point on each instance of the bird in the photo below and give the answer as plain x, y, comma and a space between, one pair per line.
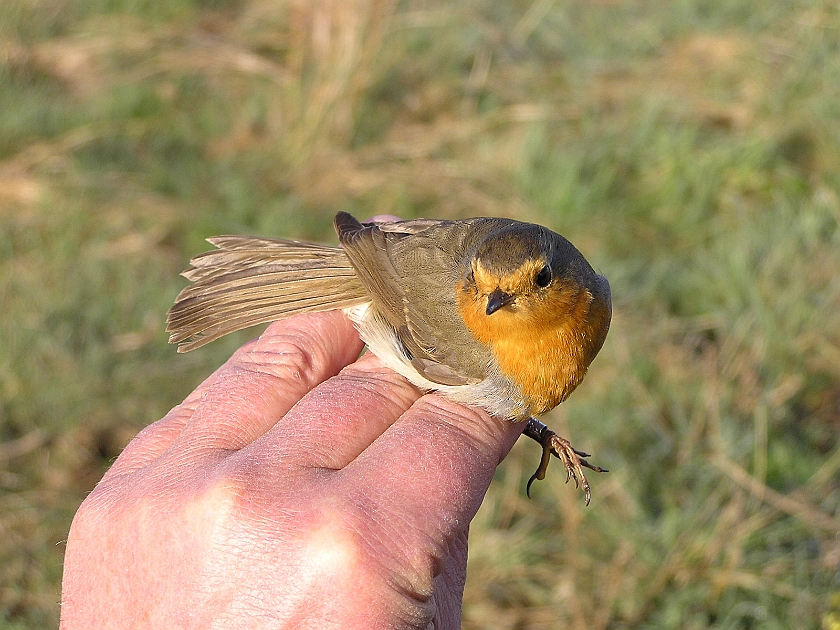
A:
492, 312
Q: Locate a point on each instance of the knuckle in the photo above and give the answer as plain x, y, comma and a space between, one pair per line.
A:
215, 506
288, 359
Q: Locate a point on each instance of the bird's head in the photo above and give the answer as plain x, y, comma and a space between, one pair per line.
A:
529, 290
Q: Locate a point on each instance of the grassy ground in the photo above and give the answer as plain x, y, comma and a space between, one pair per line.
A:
691, 149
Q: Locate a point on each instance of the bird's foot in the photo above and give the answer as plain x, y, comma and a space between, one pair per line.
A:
552, 444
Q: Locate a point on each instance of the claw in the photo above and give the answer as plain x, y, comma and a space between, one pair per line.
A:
573, 460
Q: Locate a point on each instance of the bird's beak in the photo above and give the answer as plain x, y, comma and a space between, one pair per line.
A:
497, 300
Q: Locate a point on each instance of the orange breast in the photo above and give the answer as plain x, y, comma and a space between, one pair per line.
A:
543, 344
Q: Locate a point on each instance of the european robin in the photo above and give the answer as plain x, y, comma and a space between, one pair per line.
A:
490, 312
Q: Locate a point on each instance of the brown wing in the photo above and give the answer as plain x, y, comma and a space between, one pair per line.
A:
250, 281
411, 269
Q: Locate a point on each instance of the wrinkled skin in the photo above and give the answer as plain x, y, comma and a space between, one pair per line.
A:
297, 487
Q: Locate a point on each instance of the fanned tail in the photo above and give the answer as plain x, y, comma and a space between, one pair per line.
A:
249, 281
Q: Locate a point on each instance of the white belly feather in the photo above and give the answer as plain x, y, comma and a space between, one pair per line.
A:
495, 393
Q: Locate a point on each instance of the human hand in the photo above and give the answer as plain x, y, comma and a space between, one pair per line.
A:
296, 487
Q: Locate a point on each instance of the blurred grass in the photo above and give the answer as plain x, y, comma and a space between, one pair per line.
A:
691, 149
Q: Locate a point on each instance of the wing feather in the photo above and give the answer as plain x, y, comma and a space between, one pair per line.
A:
411, 270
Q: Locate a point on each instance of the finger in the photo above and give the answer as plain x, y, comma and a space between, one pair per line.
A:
430, 469
340, 418
256, 390
450, 583
154, 439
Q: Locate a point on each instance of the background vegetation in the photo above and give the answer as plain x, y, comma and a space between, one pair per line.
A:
690, 148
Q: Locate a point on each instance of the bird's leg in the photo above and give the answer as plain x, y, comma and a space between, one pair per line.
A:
553, 444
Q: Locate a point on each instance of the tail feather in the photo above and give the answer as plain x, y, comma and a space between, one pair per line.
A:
263, 277
249, 281
236, 253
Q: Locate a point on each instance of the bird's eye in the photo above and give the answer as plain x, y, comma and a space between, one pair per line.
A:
544, 277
